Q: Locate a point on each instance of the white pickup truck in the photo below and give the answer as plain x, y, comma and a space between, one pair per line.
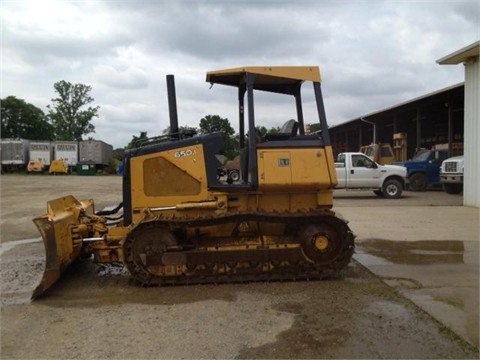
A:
356, 171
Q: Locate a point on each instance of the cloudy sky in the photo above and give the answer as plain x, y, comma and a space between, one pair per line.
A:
372, 54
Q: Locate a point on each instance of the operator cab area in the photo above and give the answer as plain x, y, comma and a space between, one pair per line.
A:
283, 80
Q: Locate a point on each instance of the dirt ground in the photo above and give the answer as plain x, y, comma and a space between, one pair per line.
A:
97, 312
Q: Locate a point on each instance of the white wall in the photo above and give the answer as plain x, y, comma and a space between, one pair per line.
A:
471, 190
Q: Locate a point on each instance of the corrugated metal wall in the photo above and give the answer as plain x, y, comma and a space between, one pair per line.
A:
471, 190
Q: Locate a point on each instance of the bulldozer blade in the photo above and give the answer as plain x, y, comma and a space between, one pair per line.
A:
61, 249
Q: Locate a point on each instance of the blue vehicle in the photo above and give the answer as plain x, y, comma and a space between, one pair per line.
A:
424, 168
120, 167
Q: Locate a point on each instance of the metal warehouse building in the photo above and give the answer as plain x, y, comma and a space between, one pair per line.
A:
449, 117
435, 118
469, 56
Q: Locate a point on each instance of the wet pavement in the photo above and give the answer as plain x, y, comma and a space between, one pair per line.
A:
429, 254
410, 292
439, 276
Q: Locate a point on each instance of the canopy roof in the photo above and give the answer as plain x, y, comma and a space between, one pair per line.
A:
280, 79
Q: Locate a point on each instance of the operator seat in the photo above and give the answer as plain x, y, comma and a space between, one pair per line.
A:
288, 130
290, 127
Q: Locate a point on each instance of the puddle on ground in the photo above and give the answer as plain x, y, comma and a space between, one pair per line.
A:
415, 252
442, 277
112, 284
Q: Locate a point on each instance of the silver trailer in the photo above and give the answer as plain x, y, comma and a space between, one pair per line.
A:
14, 154
41, 150
95, 152
67, 151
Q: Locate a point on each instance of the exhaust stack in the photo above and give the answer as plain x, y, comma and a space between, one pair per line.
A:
172, 104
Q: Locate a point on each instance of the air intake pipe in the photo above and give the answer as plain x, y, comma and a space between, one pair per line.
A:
172, 105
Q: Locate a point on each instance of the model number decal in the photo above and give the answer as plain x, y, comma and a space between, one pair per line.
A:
182, 153
283, 162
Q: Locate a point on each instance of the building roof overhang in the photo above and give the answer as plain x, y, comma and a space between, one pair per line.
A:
462, 55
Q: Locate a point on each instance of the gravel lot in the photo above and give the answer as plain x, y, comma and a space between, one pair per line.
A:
97, 312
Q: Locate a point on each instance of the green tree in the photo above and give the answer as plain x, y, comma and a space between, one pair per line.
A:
263, 130
136, 140
314, 127
181, 129
69, 117
20, 119
215, 123
118, 153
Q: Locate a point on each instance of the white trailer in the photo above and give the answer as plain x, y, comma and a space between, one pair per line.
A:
41, 150
66, 151
95, 152
14, 154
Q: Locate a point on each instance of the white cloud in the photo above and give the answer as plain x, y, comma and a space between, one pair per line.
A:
372, 54
129, 78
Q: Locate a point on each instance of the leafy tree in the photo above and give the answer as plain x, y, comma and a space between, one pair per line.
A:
181, 129
214, 123
314, 127
136, 140
68, 115
20, 119
232, 147
118, 153
263, 130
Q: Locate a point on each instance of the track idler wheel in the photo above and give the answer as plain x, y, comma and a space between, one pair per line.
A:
321, 243
145, 249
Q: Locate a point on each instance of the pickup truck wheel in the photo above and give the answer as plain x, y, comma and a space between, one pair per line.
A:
418, 182
392, 189
453, 188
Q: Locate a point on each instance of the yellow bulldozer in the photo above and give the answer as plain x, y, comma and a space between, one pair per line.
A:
181, 223
384, 153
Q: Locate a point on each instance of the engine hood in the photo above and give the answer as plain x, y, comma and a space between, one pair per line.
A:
411, 163
394, 170
392, 167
